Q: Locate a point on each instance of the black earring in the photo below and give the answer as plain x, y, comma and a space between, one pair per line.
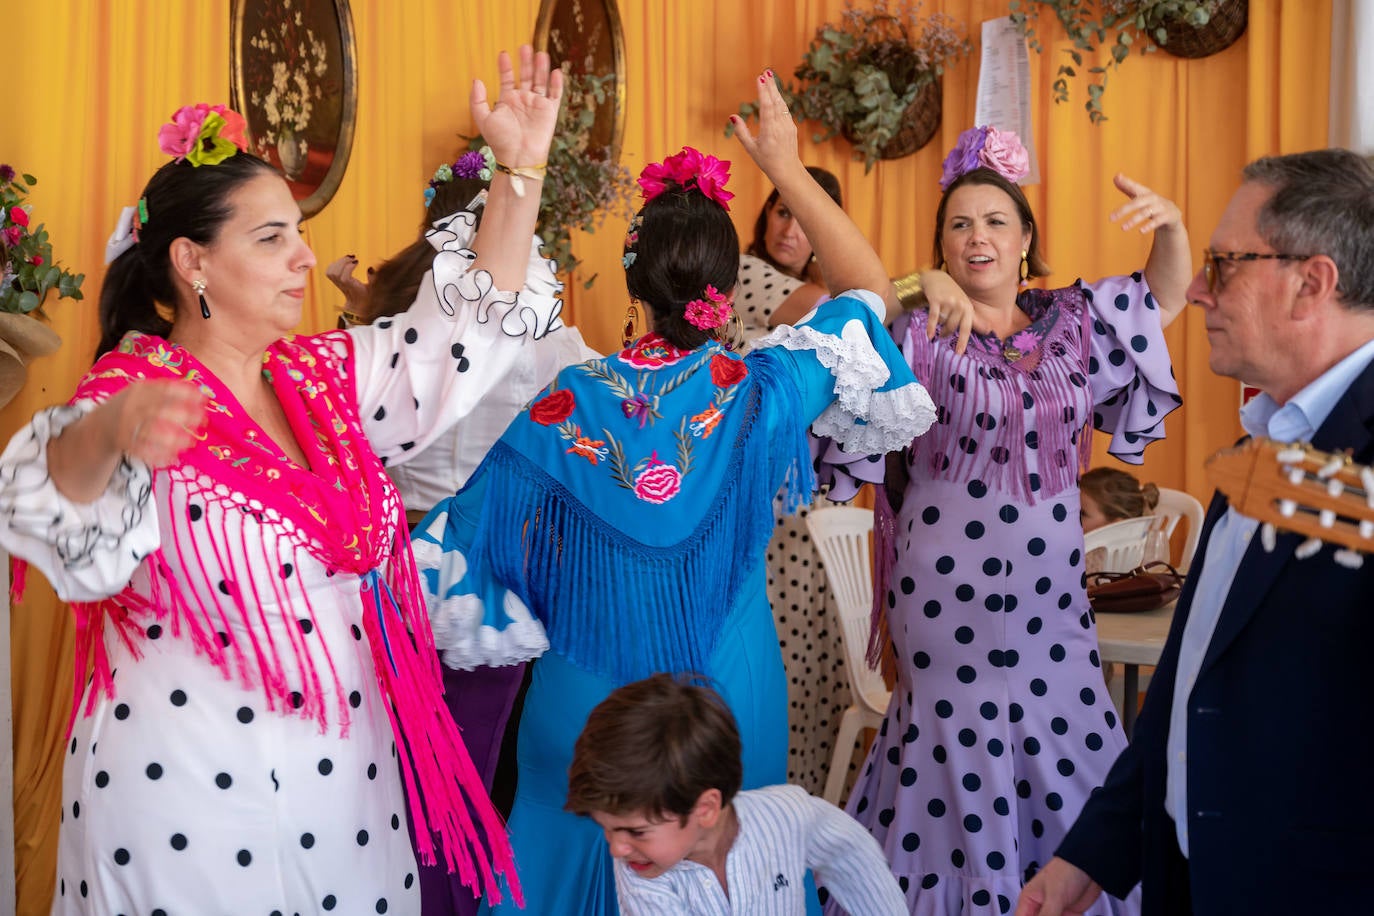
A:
199, 286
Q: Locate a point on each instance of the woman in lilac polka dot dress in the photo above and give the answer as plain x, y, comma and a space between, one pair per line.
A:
999, 725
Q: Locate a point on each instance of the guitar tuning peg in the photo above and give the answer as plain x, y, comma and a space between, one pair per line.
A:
1334, 487
1332, 466
1307, 548
1293, 454
1350, 559
1296, 476
1328, 518
1367, 529
1287, 508
1268, 537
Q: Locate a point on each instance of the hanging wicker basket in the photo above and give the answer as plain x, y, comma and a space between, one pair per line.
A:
1227, 24
920, 121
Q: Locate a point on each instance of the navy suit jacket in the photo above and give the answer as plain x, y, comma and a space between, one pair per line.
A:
1280, 767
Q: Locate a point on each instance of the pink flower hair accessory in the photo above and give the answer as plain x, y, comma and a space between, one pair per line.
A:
689, 168
709, 312
203, 134
986, 148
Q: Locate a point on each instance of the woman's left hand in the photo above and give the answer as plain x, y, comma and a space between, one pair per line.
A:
774, 147
1146, 210
1169, 267
519, 127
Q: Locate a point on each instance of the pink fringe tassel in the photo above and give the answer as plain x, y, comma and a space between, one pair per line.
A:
431, 748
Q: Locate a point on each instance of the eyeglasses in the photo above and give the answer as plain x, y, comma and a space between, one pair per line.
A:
1212, 272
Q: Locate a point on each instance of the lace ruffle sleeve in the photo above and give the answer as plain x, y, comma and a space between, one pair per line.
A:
873, 403
87, 551
1129, 369
476, 620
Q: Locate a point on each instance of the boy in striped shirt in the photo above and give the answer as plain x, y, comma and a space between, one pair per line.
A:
657, 766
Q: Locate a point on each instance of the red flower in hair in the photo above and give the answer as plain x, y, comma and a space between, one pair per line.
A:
687, 168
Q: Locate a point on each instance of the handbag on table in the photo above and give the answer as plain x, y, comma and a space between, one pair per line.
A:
1145, 588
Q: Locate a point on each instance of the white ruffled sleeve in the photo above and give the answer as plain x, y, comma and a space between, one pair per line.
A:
867, 400
476, 620
421, 371
87, 551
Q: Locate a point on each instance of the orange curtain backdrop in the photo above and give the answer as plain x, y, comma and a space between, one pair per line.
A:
106, 75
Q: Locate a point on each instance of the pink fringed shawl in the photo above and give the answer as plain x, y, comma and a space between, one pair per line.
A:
343, 511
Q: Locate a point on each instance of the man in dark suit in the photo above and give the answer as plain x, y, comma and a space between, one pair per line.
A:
1247, 787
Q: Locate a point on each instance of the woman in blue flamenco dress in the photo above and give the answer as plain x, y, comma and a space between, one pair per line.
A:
619, 526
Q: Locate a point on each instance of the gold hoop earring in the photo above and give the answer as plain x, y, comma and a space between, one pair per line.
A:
731, 334
630, 331
1025, 267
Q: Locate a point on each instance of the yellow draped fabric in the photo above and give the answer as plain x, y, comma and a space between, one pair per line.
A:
95, 80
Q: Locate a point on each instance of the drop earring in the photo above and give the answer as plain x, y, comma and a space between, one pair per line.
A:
199, 286
631, 329
1025, 268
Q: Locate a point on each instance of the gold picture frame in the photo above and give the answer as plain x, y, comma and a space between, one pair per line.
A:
587, 35
295, 80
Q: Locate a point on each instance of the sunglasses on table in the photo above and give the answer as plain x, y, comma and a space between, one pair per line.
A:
1211, 260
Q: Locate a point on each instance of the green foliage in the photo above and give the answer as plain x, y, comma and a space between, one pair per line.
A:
1090, 22
858, 78
29, 271
583, 185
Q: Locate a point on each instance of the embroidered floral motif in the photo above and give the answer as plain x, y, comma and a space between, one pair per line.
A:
591, 449
650, 479
726, 371
658, 482
555, 407
653, 352
640, 407
704, 423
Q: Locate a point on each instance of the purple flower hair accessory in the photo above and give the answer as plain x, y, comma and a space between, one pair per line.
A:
986, 148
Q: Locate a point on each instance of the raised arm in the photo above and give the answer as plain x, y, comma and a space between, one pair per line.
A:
519, 129
1169, 269
846, 259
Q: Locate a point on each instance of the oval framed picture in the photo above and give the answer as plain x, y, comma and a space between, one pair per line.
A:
585, 37
295, 81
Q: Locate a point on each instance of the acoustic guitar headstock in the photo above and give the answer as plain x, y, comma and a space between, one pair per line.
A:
1326, 497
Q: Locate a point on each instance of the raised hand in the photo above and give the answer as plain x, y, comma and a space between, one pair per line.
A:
1169, 268
519, 127
774, 149
1146, 210
340, 273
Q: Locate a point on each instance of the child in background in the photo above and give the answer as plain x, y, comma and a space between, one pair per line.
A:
657, 766
1109, 495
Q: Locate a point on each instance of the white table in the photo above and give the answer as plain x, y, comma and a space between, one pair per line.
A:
1133, 640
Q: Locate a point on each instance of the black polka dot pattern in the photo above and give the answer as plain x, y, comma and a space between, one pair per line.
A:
999, 725
817, 681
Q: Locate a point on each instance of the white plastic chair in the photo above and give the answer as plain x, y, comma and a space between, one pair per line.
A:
1124, 542
1174, 505
842, 535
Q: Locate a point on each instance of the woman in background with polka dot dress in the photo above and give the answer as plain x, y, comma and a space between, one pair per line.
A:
261, 711
999, 725
779, 283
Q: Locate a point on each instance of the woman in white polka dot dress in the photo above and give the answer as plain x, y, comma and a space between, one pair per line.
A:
779, 284
261, 712
1000, 725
